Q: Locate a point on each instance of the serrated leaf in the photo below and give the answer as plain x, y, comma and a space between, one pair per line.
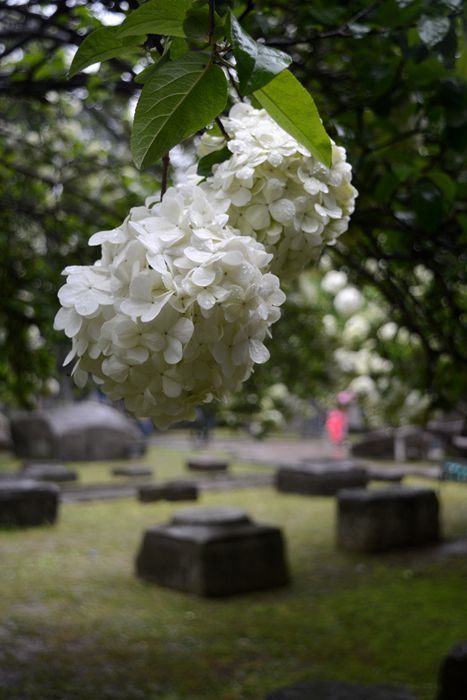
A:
205, 164
293, 108
257, 64
102, 44
157, 17
178, 100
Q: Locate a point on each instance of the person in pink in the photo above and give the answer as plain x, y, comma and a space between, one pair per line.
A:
337, 420
336, 426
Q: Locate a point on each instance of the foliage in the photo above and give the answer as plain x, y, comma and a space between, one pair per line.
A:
64, 168
184, 93
395, 92
388, 78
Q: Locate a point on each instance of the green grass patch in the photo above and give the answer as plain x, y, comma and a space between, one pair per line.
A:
76, 624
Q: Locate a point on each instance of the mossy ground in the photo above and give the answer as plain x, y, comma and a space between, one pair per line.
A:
76, 624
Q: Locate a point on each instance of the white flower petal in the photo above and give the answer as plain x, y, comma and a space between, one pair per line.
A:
258, 352
173, 352
203, 276
171, 387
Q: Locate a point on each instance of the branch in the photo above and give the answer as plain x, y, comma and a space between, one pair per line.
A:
165, 174
53, 183
221, 127
250, 6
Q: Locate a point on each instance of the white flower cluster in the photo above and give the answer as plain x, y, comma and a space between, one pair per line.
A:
277, 192
175, 311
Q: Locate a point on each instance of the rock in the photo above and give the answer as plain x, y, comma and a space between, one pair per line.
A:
452, 432
409, 442
213, 552
448, 427
393, 476
168, 491
386, 518
207, 463
320, 479
453, 674
43, 471
211, 517
460, 444
82, 431
338, 690
5, 435
27, 503
132, 471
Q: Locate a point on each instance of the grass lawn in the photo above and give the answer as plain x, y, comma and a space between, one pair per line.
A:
76, 624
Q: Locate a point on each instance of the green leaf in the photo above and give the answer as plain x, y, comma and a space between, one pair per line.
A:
205, 164
178, 47
144, 75
178, 100
157, 17
196, 24
446, 184
293, 108
102, 44
257, 64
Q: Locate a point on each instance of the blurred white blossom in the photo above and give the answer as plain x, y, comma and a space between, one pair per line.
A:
348, 301
333, 281
388, 331
357, 328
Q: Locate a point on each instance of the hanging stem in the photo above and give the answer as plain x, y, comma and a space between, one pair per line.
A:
221, 127
165, 174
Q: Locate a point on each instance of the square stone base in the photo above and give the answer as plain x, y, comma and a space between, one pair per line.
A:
212, 558
379, 519
43, 471
134, 471
320, 479
168, 491
453, 674
207, 464
28, 503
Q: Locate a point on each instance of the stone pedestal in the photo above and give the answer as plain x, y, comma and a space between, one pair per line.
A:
76, 432
42, 471
206, 463
390, 476
453, 674
132, 470
27, 503
168, 491
213, 552
407, 442
337, 690
320, 479
375, 520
